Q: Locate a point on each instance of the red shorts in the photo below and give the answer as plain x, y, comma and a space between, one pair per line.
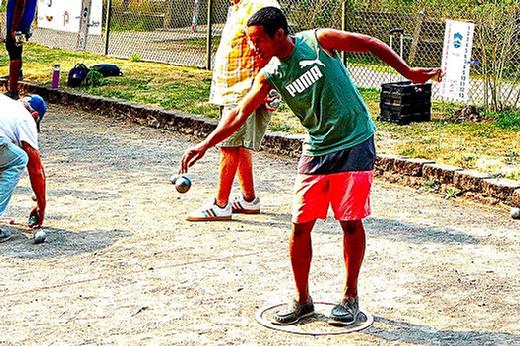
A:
348, 193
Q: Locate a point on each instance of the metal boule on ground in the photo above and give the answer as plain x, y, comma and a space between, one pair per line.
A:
39, 237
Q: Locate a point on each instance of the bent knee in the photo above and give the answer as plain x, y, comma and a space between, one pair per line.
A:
352, 226
301, 229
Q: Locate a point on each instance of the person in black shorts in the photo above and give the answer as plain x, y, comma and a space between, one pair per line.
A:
20, 15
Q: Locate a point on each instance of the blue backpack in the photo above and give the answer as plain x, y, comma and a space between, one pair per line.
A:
77, 75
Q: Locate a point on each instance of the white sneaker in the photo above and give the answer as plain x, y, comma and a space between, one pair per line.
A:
210, 211
241, 206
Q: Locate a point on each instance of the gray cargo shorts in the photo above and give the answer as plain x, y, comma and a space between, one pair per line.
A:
251, 133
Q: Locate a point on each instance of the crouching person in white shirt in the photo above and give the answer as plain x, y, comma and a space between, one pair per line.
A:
19, 127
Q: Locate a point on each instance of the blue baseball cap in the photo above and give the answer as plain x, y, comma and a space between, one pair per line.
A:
38, 104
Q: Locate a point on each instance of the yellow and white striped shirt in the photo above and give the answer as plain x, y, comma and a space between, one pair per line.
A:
235, 64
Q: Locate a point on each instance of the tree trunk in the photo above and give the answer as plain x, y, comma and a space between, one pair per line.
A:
416, 36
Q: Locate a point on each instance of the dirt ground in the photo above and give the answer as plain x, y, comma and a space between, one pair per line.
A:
122, 266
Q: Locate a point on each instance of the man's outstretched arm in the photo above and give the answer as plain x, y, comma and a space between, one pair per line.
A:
229, 123
37, 178
331, 40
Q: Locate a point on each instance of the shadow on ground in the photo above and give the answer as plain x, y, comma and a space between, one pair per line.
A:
403, 332
378, 228
59, 242
416, 233
79, 194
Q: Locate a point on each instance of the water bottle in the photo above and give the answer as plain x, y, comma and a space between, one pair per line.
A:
55, 77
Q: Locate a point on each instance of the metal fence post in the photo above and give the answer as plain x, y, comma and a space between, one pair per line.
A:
209, 34
344, 27
107, 26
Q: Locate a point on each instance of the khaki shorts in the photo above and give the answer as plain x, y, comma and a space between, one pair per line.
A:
251, 133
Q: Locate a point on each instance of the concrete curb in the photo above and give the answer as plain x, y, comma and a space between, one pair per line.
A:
416, 173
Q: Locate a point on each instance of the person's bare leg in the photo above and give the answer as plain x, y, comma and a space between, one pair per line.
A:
300, 250
14, 75
354, 243
245, 174
229, 158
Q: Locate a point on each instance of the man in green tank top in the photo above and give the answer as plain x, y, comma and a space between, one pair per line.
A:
336, 167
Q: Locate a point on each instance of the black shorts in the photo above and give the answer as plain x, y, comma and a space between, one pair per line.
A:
360, 157
15, 52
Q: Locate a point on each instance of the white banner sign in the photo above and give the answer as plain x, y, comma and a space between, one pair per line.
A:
456, 60
64, 15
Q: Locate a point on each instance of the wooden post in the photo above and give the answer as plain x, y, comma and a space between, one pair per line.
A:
81, 43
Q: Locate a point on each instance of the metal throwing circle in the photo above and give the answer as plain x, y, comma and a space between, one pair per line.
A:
296, 329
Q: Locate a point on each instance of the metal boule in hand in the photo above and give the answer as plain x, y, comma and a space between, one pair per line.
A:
33, 220
182, 184
174, 178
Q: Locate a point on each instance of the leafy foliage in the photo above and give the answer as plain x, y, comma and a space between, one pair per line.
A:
94, 78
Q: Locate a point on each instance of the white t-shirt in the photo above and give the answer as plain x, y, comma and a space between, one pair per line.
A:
16, 123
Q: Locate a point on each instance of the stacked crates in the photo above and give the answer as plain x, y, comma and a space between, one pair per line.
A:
404, 102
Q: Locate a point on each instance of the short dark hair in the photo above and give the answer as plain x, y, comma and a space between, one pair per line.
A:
271, 18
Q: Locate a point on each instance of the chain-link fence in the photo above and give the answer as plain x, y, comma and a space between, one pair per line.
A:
177, 32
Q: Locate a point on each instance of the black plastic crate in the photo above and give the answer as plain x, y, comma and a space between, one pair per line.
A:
404, 102
406, 91
396, 117
405, 109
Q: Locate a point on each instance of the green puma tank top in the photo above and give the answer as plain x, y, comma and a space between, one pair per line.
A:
318, 89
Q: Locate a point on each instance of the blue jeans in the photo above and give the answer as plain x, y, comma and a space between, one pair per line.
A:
13, 161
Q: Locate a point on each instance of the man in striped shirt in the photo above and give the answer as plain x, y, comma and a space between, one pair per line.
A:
236, 65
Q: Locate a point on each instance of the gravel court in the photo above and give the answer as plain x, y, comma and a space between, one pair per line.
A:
121, 266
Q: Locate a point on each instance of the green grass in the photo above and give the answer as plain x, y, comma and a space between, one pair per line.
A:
509, 119
492, 146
